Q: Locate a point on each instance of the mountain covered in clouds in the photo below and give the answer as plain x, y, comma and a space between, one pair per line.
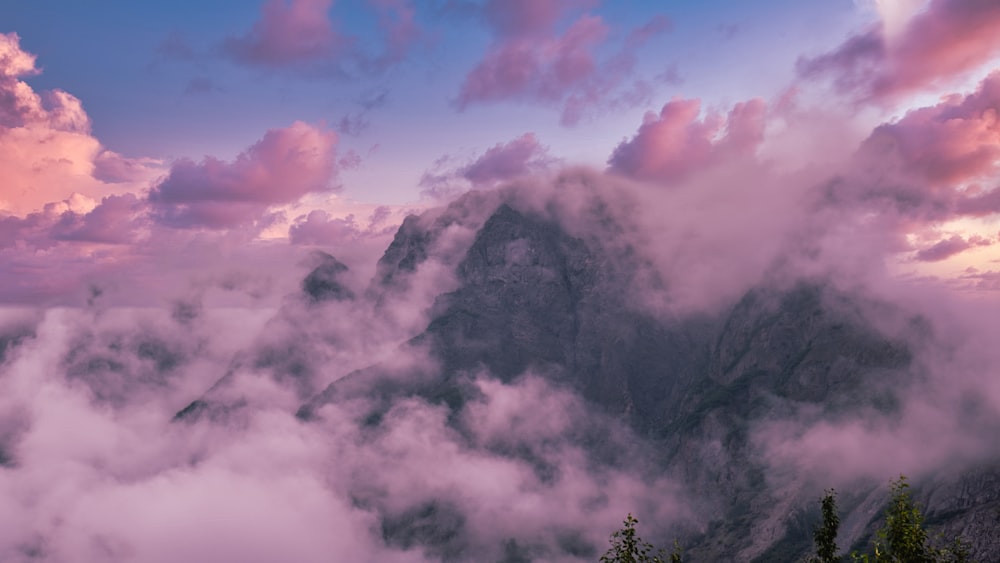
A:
518, 371
694, 397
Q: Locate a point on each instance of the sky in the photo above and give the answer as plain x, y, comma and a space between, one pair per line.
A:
133, 128
170, 172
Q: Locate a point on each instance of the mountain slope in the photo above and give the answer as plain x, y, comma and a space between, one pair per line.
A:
695, 390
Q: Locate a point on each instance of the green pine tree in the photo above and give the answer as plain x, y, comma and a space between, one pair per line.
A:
825, 535
903, 538
628, 547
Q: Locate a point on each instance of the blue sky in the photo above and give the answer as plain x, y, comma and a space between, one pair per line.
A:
155, 82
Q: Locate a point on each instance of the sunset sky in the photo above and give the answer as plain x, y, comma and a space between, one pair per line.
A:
690, 260
139, 138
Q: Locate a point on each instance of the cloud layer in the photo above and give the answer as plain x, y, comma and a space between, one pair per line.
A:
283, 166
943, 41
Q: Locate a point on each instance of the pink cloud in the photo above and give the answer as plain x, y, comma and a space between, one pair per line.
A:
532, 60
949, 247
946, 40
29, 231
978, 204
283, 166
657, 25
677, 142
320, 228
47, 151
934, 161
526, 67
954, 141
513, 18
300, 34
13, 60
399, 28
112, 167
981, 281
21, 106
116, 220
288, 32
504, 161
18, 102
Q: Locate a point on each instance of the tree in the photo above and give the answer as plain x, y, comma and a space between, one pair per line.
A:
826, 535
903, 538
903, 535
628, 547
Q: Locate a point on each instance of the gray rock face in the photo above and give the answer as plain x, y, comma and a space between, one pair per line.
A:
323, 282
416, 239
967, 506
532, 297
407, 250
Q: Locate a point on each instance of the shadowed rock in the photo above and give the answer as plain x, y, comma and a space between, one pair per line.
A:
323, 282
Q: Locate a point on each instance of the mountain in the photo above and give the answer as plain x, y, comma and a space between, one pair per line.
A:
693, 388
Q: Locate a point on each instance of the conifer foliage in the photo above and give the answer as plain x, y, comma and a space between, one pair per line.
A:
825, 535
628, 547
902, 539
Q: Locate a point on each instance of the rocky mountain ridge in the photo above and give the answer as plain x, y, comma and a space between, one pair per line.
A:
532, 298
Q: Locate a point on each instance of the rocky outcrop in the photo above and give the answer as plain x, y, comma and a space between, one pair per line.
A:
324, 282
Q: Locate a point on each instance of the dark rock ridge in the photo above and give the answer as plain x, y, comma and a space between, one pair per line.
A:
324, 284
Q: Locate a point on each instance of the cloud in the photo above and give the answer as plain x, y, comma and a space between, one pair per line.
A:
531, 60
18, 103
656, 25
943, 42
319, 227
954, 141
679, 141
116, 220
289, 32
112, 167
88, 402
505, 161
283, 166
357, 122
935, 163
13, 60
509, 471
47, 152
543, 70
300, 35
946, 248
941, 420
400, 31
524, 17
973, 278
502, 162
74, 214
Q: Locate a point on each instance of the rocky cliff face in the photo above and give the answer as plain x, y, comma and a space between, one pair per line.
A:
324, 284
